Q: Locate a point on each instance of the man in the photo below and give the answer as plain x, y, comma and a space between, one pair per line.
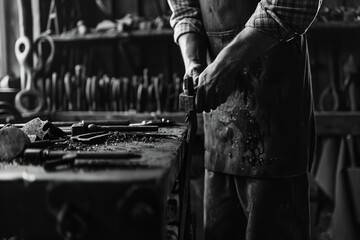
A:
258, 120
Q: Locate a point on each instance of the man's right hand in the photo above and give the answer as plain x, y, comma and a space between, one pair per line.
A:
193, 70
193, 50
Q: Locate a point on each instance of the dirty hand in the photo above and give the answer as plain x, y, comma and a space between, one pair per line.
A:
193, 70
216, 83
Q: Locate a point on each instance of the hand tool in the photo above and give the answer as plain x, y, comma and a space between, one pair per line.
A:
326, 173
125, 93
80, 128
70, 161
52, 159
78, 80
42, 155
350, 71
157, 94
45, 143
119, 98
73, 92
52, 19
142, 93
88, 94
25, 29
101, 100
91, 138
48, 93
133, 93
60, 97
41, 88
187, 103
113, 94
83, 85
13, 141
68, 90
85, 122
94, 95
107, 92
151, 100
169, 97
54, 95
331, 89
22, 52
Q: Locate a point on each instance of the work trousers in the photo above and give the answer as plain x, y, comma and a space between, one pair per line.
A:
242, 208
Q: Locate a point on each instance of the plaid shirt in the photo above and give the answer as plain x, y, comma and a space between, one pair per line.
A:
280, 18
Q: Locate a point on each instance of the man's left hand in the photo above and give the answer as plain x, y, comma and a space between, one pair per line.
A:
216, 83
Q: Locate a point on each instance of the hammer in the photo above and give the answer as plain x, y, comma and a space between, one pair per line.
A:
187, 104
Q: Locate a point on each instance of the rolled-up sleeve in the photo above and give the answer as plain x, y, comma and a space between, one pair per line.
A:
284, 18
186, 17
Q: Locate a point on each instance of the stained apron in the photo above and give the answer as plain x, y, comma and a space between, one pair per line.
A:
264, 129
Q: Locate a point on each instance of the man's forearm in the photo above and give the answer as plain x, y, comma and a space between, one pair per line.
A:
193, 49
217, 81
249, 44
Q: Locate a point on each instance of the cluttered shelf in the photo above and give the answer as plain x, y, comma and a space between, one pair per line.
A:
101, 36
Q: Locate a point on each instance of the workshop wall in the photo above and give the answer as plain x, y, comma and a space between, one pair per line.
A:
330, 47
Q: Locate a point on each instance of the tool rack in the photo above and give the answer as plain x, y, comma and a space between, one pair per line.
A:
123, 203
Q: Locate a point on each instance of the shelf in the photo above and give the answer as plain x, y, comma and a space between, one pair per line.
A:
338, 123
110, 36
335, 26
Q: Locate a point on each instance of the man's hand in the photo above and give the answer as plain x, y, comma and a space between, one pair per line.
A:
193, 50
216, 83
218, 80
193, 70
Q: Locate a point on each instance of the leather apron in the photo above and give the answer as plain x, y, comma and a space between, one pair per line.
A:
265, 128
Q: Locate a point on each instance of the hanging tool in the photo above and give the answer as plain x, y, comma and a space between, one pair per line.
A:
133, 93
22, 50
331, 92
94, 93
125, 93
23, 54
187, 104
54, 95
78, 80
151, 99
350, 72
157, 94
25, 29
114, 94
52, 20
142, 94
48, 93
88, 93
68, 90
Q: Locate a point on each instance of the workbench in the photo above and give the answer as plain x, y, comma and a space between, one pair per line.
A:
122, 203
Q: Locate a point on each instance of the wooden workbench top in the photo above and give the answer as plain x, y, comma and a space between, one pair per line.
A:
104, 199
